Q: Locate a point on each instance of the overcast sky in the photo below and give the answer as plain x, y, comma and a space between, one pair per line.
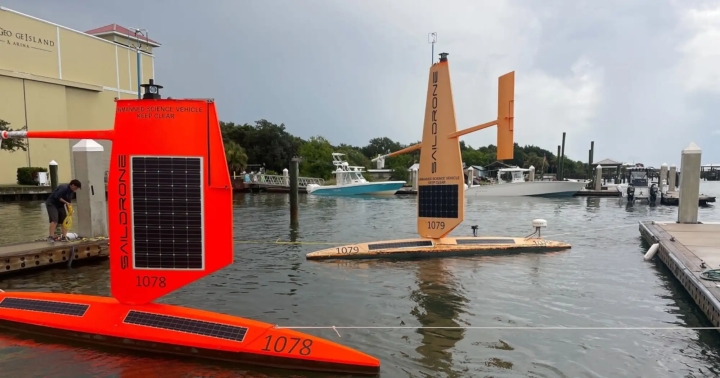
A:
639, 77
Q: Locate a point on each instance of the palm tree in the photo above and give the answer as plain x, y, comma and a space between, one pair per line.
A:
236, 157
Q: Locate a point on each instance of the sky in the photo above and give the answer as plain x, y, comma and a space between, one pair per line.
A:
640, 78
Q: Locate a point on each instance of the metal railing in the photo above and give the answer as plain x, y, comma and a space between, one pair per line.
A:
279, 180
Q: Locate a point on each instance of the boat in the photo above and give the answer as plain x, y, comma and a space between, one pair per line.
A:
349, 181
640, 187
441, 193
157, 180
511, 183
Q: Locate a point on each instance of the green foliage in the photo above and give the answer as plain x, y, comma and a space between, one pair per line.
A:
25, 175
12, 145
316, 156
237, 159
270, 144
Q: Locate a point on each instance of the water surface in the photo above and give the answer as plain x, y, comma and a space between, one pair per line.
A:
601, 282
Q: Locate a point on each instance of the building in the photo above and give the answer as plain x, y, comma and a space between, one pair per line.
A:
56, 78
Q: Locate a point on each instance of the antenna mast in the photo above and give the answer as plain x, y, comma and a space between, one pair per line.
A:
432, 38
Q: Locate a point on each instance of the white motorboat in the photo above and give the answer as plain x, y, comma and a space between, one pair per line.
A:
349, 181
516, 186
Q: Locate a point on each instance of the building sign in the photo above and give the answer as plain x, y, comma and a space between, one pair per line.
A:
24, 40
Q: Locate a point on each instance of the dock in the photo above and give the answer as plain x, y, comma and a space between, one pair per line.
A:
272, 184
11, 193
673, 199
22, 256
688, 250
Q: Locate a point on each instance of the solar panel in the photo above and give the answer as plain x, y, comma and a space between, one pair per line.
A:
51, 307
197, 327
485, 241
167, 212
419, 243
438, 201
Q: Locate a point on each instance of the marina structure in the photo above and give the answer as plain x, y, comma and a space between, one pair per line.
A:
56, 78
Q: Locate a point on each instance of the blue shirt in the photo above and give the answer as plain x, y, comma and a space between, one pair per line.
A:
62, 191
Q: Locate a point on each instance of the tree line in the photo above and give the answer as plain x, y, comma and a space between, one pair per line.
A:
271, 146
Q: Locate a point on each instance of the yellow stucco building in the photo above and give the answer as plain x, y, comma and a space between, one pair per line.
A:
56, 78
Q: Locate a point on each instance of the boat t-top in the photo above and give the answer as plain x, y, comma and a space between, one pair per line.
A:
349, 181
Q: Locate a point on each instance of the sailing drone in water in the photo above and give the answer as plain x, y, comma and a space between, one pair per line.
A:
441, 191
170, 213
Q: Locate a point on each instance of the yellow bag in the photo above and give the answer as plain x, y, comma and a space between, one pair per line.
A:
67, 223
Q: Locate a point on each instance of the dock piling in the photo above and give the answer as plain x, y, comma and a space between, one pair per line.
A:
671, 178
690, 164
53, 174
598, 177
531, 173
91, 207
562, 159
294, 173
663, 175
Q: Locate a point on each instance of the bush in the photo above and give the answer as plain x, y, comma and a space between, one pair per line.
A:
26, 175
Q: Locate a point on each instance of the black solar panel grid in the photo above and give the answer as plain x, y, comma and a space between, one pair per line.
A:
438, 201
167, 212
419, 243
485, 241
51, 307
197, 327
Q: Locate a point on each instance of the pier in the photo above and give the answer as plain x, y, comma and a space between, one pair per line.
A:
272, 183
22, 256
688, 250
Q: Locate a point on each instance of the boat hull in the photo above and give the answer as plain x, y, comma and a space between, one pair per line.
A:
550, 189
372, 188
161, 328
446, 247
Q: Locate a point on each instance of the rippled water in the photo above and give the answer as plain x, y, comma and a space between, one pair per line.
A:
601, 282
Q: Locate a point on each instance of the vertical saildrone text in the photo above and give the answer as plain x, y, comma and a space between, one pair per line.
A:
123, 211
434, 128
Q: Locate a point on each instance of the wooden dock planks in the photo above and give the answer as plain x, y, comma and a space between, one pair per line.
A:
687, 250
20, 256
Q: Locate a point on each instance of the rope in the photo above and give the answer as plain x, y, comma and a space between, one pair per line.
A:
278, 241
711, 275
67, 223
499, 328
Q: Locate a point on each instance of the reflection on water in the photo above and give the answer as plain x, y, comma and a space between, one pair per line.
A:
439, 304
601, 282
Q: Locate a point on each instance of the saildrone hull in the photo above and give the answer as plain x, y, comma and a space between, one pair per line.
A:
445, 247
177, 330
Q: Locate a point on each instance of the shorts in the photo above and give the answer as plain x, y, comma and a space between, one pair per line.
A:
56, 214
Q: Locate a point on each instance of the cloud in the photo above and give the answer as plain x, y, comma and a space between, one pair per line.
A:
639, 78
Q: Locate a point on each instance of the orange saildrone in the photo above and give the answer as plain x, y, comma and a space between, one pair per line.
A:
441, 191
170, 224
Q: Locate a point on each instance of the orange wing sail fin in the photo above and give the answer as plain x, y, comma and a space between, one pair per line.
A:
440, 178
506, 115
170, 202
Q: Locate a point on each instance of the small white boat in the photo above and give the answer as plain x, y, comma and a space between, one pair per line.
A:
640, 187
349, 181
516, 186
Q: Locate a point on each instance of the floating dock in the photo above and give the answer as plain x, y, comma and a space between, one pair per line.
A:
22, 256
11, 193
688, 250
673, 199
